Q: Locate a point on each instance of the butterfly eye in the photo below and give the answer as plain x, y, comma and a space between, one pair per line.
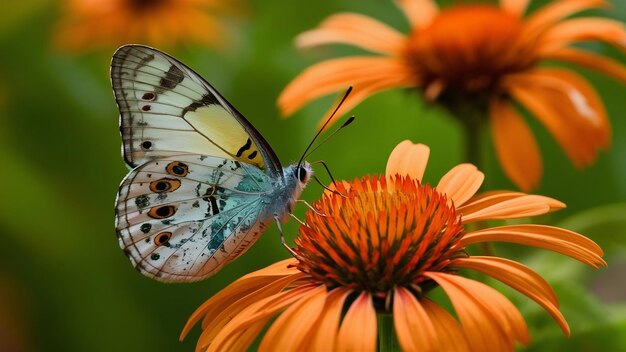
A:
162, 212
302, 174
177, 168
164, 185
162, 238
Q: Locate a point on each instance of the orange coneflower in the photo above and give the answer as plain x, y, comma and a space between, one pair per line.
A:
478, 59
377, 250
111, 23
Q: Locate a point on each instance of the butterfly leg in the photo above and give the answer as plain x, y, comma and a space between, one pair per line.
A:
298, 220
310, 207
282, 237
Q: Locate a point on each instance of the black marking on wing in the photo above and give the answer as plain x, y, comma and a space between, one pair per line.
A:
172, 78
207, 99
144, 61
244, 148
252, 155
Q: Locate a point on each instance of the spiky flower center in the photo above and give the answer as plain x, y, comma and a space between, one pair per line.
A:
380, 234
468, 48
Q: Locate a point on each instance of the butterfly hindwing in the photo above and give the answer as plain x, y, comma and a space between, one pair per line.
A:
167, 109
181, 218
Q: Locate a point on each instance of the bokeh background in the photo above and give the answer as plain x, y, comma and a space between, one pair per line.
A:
65, 285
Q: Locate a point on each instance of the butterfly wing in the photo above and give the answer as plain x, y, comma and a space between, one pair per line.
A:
167, 109
182, 218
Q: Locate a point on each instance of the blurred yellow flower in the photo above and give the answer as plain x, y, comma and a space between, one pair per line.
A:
484, 58
110, 23
379, 249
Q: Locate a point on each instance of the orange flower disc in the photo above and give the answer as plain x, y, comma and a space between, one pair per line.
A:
384, 233
469, 47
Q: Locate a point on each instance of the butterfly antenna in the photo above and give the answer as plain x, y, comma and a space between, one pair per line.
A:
345, 96
348, 121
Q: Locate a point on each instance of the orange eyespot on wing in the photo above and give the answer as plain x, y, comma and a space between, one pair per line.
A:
162, 238
164, 185
177, 168
162, 212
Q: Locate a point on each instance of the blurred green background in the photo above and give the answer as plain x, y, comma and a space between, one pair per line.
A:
65, 285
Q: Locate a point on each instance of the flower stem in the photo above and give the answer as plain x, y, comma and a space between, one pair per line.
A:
386, 333
474, 119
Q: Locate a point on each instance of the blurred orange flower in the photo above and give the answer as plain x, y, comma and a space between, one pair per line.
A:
378, 249
164, 23
484, 57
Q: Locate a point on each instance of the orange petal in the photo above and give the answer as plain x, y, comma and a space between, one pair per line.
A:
249, 284
358, 30
516, 207
487, 199
519, 277
449, 333
419, 12
364, 91
212, 324
358, 329
461, 183
551, 238
514, 7
568, 107
338, 74
604, 65
414, 329
554, 12
289, 330
409, 159
490, 321
234, 332
516, 148
323, 336
582, 29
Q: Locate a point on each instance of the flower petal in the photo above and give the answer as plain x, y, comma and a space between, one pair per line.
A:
355, 29
555, 11
516, 147
323, 335
555, 239
490, 321
582, 29
333, 75
289, 330
488, 199
414, 329
604, 65
514, 7
461, 183
450, 335
515, 207
364, 91
568, 107
419, 12
409, 159
519, 277
254, 283
234, 333
358, 329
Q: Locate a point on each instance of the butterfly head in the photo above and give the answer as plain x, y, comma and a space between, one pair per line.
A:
303, 173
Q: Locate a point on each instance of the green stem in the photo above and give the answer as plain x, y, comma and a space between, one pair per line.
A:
473, 119
386, 333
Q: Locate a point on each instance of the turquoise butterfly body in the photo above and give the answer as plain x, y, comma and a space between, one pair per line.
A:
204, 184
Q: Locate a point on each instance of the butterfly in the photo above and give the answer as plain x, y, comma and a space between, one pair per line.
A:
204, 183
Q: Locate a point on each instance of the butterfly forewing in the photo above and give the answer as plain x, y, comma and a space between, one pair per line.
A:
182, 218
167, 109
